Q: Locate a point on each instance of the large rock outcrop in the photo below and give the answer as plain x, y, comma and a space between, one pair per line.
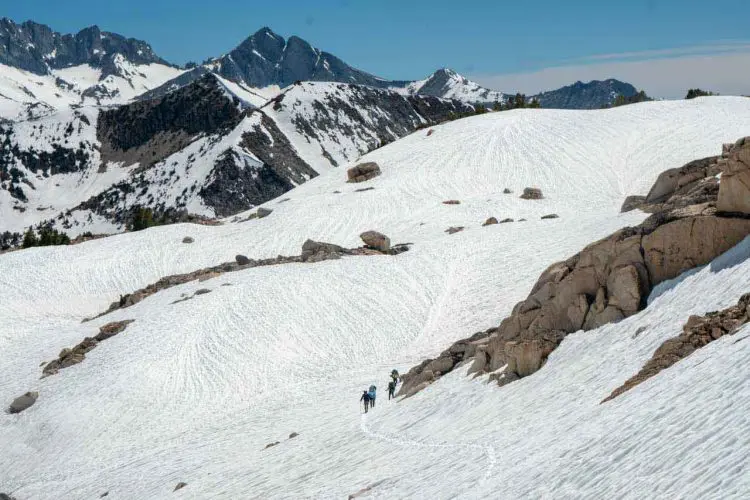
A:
607, 281
734, 196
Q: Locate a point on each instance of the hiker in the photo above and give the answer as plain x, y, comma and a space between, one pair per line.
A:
391, 390
371, 393
366, 398
394, 376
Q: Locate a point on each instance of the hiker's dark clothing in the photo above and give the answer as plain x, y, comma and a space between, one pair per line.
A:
366, 398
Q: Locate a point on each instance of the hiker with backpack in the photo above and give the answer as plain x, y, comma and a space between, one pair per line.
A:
394, 376
366, 399
391, 390
371, 393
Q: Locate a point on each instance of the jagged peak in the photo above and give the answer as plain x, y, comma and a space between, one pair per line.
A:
447, 71
265, 30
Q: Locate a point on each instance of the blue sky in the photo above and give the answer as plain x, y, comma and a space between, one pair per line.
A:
490, 41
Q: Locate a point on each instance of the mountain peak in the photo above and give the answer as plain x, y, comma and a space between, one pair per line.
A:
446, 71
38, 49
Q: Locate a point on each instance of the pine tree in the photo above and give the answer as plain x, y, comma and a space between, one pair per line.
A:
143, 218
497, 106
520, 101
534, 103
29, 239
480, 109
693, 93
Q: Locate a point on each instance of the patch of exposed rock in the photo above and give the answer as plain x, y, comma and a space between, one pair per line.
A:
607, 281
24, 402
363, 172
263, 212
454, 229
70, 357
146, 132
312, 251
531, 193
490, 221
376, 240
179, 486
550, 216
632, 202
451, 202
699, 331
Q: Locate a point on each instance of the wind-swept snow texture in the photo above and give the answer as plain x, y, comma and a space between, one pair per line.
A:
192, 392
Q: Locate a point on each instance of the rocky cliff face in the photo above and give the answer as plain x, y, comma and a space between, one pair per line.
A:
607, 281
734, 196
148, 131
36, 48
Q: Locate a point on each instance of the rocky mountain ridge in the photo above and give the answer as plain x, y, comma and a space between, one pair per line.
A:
592, 95
38, 49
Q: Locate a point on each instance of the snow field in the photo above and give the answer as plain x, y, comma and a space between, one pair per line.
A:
194, 391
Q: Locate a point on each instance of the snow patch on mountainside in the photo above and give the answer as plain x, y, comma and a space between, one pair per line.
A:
25, 95
48, 194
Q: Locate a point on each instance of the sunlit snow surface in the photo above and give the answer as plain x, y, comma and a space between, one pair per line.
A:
194, 391
22, 91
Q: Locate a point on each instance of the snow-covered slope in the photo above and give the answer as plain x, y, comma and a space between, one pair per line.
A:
25, 95
333, 123
200, 150
448, 84
192, 392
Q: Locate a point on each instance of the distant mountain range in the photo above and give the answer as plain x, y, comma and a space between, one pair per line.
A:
592, 95
95, 126
100, 67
